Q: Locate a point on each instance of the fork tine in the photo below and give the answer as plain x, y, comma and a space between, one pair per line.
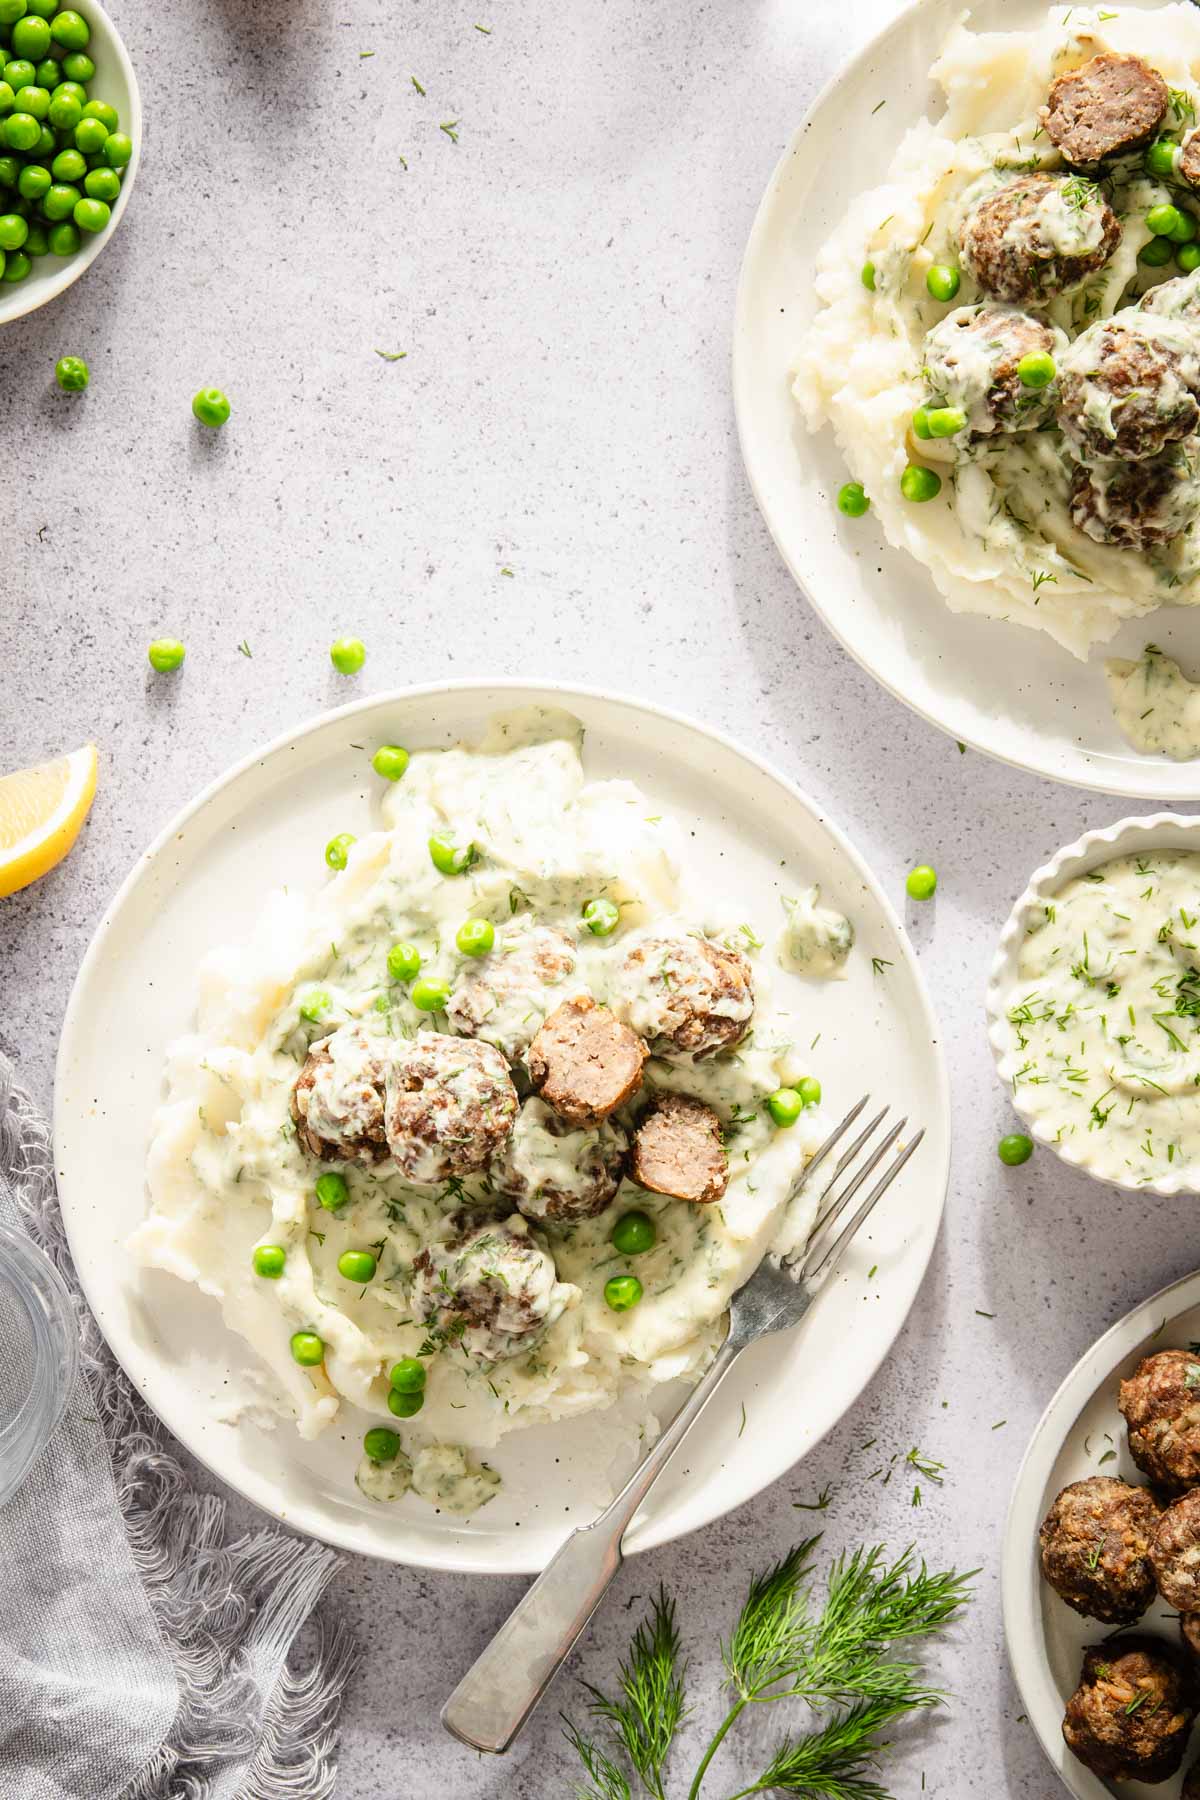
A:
814, 1277
838, 1205
844, 1161
839, 1131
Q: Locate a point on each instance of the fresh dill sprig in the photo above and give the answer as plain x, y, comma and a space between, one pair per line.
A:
607, 1781
770, 1634
651, 1706
836, 1762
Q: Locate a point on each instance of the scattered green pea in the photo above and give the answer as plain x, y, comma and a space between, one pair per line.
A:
72, 374
918, 483
852, 500
347, 655
403, 962
634, 1233
920, 424
314, 1004
1156, 254
1160, 157
1164, 220
404, 1405
337, 849
166, 654
357, 1265
622, 1292
1015, 1149
331, 1190
868, 275
408, 1375
809, 1090
381, 1445
450, 858
601, 916
307, 1349
945, 421
942, 281
1037, 370
476, 937
785, 1106
428, 995
1188, 257
390, 761
922, 882
211, 407
268, 1260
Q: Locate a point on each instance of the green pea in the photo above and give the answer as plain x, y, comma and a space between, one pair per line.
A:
6, 97
920, 423
785, 1105
408, 1375
852, 500
945, 421
337, 849
1156, 254
314, 1004
331, 1190
476, 937
102, 184
118, 150
45, 9
11, 11
90, 135
1163, 221
390, 761
428, 995
34, 182
91, 215
72, 374
166, 654
922, 882
307, 1349
268, 1260
70, 29
404, 1405
403, 962
601, 916
450, 858
60, 201
37, 243
1188, 257
1160, 157
381, 1445
34, 100
100, 109
634, 1233
211, 407
19, 73
46, 145
10, 171
357, 1265
74, 89
347, 655
622, 1292
918, 483
942, 281
63, 238
69, 165
867, 275
48, 73
21, 131
31, 37
16, 265
1186, 229
1037, 370
78, 67
1014, 1149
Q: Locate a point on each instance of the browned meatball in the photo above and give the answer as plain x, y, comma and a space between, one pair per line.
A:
1125, 391
1178, 298
677, 1150
550, 1171
1038, 236
1160, 1404
337, 1101
450, 1106
1136, 505
686, 996
1131, 1715
1175, 1553
1188, 161
971, 359
1113, 103
1095, 1545
584, 1062
503, 997
491, 1288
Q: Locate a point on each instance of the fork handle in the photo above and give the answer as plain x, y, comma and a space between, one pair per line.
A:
497, 1694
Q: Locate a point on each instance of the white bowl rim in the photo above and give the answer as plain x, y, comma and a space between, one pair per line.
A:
1073, 859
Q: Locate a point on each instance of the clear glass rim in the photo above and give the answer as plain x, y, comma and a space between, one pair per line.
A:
46, 1299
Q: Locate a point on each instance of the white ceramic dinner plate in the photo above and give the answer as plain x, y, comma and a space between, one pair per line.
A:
1076, 1437
1008, 691
203, 882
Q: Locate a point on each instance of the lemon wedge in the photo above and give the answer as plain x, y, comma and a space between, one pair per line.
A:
41, 812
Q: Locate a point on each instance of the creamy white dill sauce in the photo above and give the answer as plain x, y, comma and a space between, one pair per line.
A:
816, 941
1155, 705
1105, 1019
225, 1171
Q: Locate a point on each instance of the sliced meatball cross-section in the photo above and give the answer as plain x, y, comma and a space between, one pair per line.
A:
1136, 505
971, 359
677, 1150
585, 1062
492, 1287
1175, 1553
686, 996
551, 1170
1127, 387
1160, 1404
451, 1105
1038, 236
1095, 1544
1131, 1715
504, 996
337, 1102
1111, 104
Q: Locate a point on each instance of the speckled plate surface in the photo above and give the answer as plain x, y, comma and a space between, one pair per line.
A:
1008, 691
203, 882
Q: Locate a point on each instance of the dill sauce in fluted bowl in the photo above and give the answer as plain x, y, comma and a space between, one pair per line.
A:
1094, 1005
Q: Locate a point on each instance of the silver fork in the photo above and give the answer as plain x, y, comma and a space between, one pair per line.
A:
497, 1694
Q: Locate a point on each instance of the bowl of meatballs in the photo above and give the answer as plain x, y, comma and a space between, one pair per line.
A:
1102, 1559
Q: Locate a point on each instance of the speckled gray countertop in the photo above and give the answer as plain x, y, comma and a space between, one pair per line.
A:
562, 280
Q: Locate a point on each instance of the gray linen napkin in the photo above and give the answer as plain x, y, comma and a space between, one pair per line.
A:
145, 1653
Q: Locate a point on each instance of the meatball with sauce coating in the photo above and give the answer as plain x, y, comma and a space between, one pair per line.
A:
491, 1287
1178, 298
1160, 1403
677, 1150
1038, 236
337, 1103
1131, 1715
585, 1062
504, 996
1175, 1553
551, 1170
1127, 387
971, 359
451, 1105
1109, 105
1095, 1548
1136, 505
686, 996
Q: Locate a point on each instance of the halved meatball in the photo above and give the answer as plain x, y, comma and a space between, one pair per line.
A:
686, 996
971, 359
338, 1099
1113, 103
677, 1150
1095, 1546
1126, 390
550, 1171
504, 997
1187, 163
1175, 1553
1038, 236
491, 1287
1131, 1715
1160, 1404
585, 1062
1136, 505
451, 1105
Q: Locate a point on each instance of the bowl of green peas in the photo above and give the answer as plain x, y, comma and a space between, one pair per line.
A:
70, 140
